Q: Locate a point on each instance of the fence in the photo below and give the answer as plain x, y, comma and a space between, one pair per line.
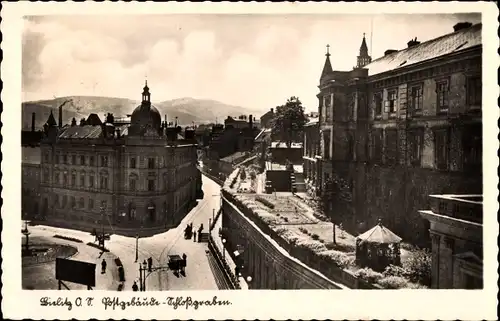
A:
231, 279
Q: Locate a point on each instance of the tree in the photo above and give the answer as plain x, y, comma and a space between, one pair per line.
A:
288, 122
336, 196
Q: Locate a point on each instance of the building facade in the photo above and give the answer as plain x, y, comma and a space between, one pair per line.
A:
266, 119
141, 174
401, 127
311, 149
456, 230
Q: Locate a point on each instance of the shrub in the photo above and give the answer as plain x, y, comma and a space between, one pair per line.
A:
285, 219
369, 275
303, 230
315, 237
394, 270
415, 286
265, 202
393, 282
419, 266
340, 259
253, 175
342, 247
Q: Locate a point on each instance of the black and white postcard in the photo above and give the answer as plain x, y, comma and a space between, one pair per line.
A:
215, 160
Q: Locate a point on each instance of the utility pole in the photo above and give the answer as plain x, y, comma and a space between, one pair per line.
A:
102, 226
136, 247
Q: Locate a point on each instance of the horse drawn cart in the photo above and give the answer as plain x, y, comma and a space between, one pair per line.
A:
176, 263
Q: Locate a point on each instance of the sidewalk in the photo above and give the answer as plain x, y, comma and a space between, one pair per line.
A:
229, 260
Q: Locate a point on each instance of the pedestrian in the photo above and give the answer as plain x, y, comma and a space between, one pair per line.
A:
184, 263
135, 288
150, 264
103, 266
194, 236
94, 232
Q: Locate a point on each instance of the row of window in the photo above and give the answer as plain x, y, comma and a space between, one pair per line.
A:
83, 160
62, 203
64, 179
390, 148
416, 93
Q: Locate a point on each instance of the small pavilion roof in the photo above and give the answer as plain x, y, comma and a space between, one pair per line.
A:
379, 234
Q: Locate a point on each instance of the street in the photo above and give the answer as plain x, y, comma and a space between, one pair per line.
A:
199, 275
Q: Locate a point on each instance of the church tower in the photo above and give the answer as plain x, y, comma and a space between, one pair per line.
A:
363, 58
327, 68
146, 95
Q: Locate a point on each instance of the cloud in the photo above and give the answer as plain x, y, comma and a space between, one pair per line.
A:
253, 61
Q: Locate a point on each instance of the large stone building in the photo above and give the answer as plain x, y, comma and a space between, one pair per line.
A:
125, 176
456, 230
401, 127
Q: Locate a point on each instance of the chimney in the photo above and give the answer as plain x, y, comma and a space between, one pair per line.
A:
250, 121
60, 116
33, 122
82, 122
73, 122
389, 51
462, 25
413, 42
272, 110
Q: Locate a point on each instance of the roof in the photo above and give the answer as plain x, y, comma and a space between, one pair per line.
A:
283, 145
444, 45
312, 121
263, 134
82, 132
379, 234
51, 121
93, 119
233, 157
327, 68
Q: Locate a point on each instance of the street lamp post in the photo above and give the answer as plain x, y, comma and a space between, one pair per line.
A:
136, 247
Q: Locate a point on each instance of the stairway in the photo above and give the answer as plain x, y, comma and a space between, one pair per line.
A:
203, 237
300, 184
293, 186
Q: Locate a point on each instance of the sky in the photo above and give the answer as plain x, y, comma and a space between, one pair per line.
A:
255, 61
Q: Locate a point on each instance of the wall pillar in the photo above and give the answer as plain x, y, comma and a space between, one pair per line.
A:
446, 263
436, 242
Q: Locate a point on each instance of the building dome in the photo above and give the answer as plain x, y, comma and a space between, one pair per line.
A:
145, 115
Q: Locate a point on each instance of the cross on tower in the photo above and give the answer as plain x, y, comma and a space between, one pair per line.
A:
363, 34
328, 50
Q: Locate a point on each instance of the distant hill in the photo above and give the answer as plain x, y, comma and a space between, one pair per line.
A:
187, 110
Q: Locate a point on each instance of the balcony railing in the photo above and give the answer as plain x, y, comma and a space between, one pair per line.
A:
463, 207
